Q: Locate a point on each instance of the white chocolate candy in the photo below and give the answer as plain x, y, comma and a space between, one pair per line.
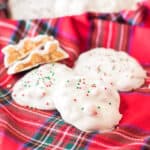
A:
25, 46
117, 68
36, 88
87, 104
51, 52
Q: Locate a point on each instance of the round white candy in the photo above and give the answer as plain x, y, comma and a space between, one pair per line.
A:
87, 104
36, 88
114, 67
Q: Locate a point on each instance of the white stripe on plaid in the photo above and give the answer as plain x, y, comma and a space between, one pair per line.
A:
6, 80
49, 25
139, 143
62, 138
47, 136
10, 26
34, 124
76, 143
127, 137
125, 13
2, 70
25, 137
99, 24
28, 25
98, 143
136, 17
4, 123
121, 37
8, 40
70, 50
109, 35
35, 27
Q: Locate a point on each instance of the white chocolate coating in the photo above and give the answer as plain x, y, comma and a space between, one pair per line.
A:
117, 68
87, 104
36, 88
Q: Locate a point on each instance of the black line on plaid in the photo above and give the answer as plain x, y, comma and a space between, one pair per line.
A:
147, 144
5, 97
42, 133
46, 28
18, 35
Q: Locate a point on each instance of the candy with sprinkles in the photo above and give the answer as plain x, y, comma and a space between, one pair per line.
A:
111, 66
36, 88
86, 96
88, 107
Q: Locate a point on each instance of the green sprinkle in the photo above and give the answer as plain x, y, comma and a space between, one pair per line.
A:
82, 108
110, 103
78, 87
79, 80
69, 146
25, 85
88, 91
37, 83
48, 78
98, 107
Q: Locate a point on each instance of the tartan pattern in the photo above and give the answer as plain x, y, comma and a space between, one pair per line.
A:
3, 9
26, 128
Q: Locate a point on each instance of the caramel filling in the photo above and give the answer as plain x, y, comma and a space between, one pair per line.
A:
28, 46
37, 58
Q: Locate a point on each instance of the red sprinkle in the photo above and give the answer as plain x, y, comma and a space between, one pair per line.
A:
94, 113
48, 85
93, 85
74, 99
27, 107
47, 103
43, 94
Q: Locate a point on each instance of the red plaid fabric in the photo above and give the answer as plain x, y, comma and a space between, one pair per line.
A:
26, 128
3, 9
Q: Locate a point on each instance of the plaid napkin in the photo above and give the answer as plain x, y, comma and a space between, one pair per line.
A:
3, 9
26, 128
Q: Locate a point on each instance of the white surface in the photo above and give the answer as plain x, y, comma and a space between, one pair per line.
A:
25, 9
